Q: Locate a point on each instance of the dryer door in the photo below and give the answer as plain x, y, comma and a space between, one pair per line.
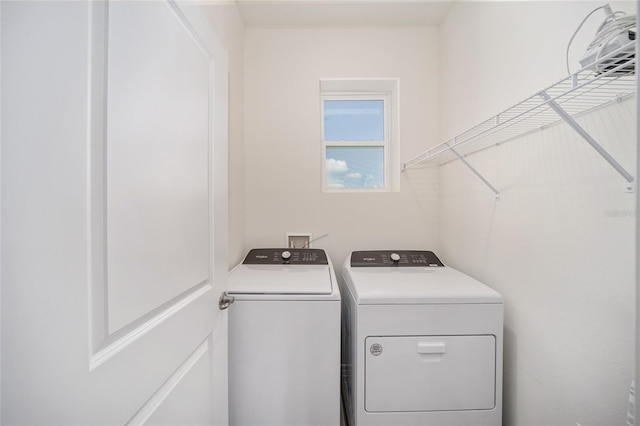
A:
430, 373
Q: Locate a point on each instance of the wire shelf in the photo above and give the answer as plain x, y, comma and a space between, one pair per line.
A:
574, 95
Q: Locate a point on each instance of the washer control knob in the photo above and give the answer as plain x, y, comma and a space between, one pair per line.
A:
286, 255
395, 257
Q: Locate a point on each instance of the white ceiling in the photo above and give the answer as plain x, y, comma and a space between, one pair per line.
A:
342, 12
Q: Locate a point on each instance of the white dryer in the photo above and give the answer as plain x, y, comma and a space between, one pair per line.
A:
422, 342
284, 339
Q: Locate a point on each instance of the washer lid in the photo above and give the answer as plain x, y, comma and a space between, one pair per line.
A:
280, 279
417, 285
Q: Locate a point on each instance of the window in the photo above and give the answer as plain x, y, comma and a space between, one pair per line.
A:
359, 135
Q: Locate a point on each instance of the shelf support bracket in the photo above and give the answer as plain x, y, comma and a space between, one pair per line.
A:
587, 137
475, 172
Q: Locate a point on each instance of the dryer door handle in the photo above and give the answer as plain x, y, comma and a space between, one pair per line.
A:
432, 348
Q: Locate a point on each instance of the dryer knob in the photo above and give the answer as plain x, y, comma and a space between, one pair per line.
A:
395, 257
286, 255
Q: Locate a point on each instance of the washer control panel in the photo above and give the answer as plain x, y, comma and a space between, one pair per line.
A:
285, 256
394, 258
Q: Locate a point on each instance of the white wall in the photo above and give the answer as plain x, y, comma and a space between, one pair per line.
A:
283, 155
636, 406
559, 245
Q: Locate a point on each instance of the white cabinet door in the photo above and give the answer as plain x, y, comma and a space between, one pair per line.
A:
114, 218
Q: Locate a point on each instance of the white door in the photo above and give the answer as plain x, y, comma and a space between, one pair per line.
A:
114, 215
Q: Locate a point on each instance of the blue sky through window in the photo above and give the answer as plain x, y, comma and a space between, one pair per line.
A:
355, 167
354, 120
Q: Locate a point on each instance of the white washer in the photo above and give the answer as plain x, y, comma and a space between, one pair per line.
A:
422, 342
284, 339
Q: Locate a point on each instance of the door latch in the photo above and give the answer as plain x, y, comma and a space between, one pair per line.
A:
225, 301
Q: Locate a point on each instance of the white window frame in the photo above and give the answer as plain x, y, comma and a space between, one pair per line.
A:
365, 89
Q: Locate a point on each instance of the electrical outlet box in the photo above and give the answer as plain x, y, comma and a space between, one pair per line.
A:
298, 240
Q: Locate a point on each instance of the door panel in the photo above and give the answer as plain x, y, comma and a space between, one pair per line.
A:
113, 183
185, 398
157, 140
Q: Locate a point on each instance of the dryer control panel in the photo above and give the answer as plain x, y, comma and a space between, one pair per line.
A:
280, 256
394, 258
